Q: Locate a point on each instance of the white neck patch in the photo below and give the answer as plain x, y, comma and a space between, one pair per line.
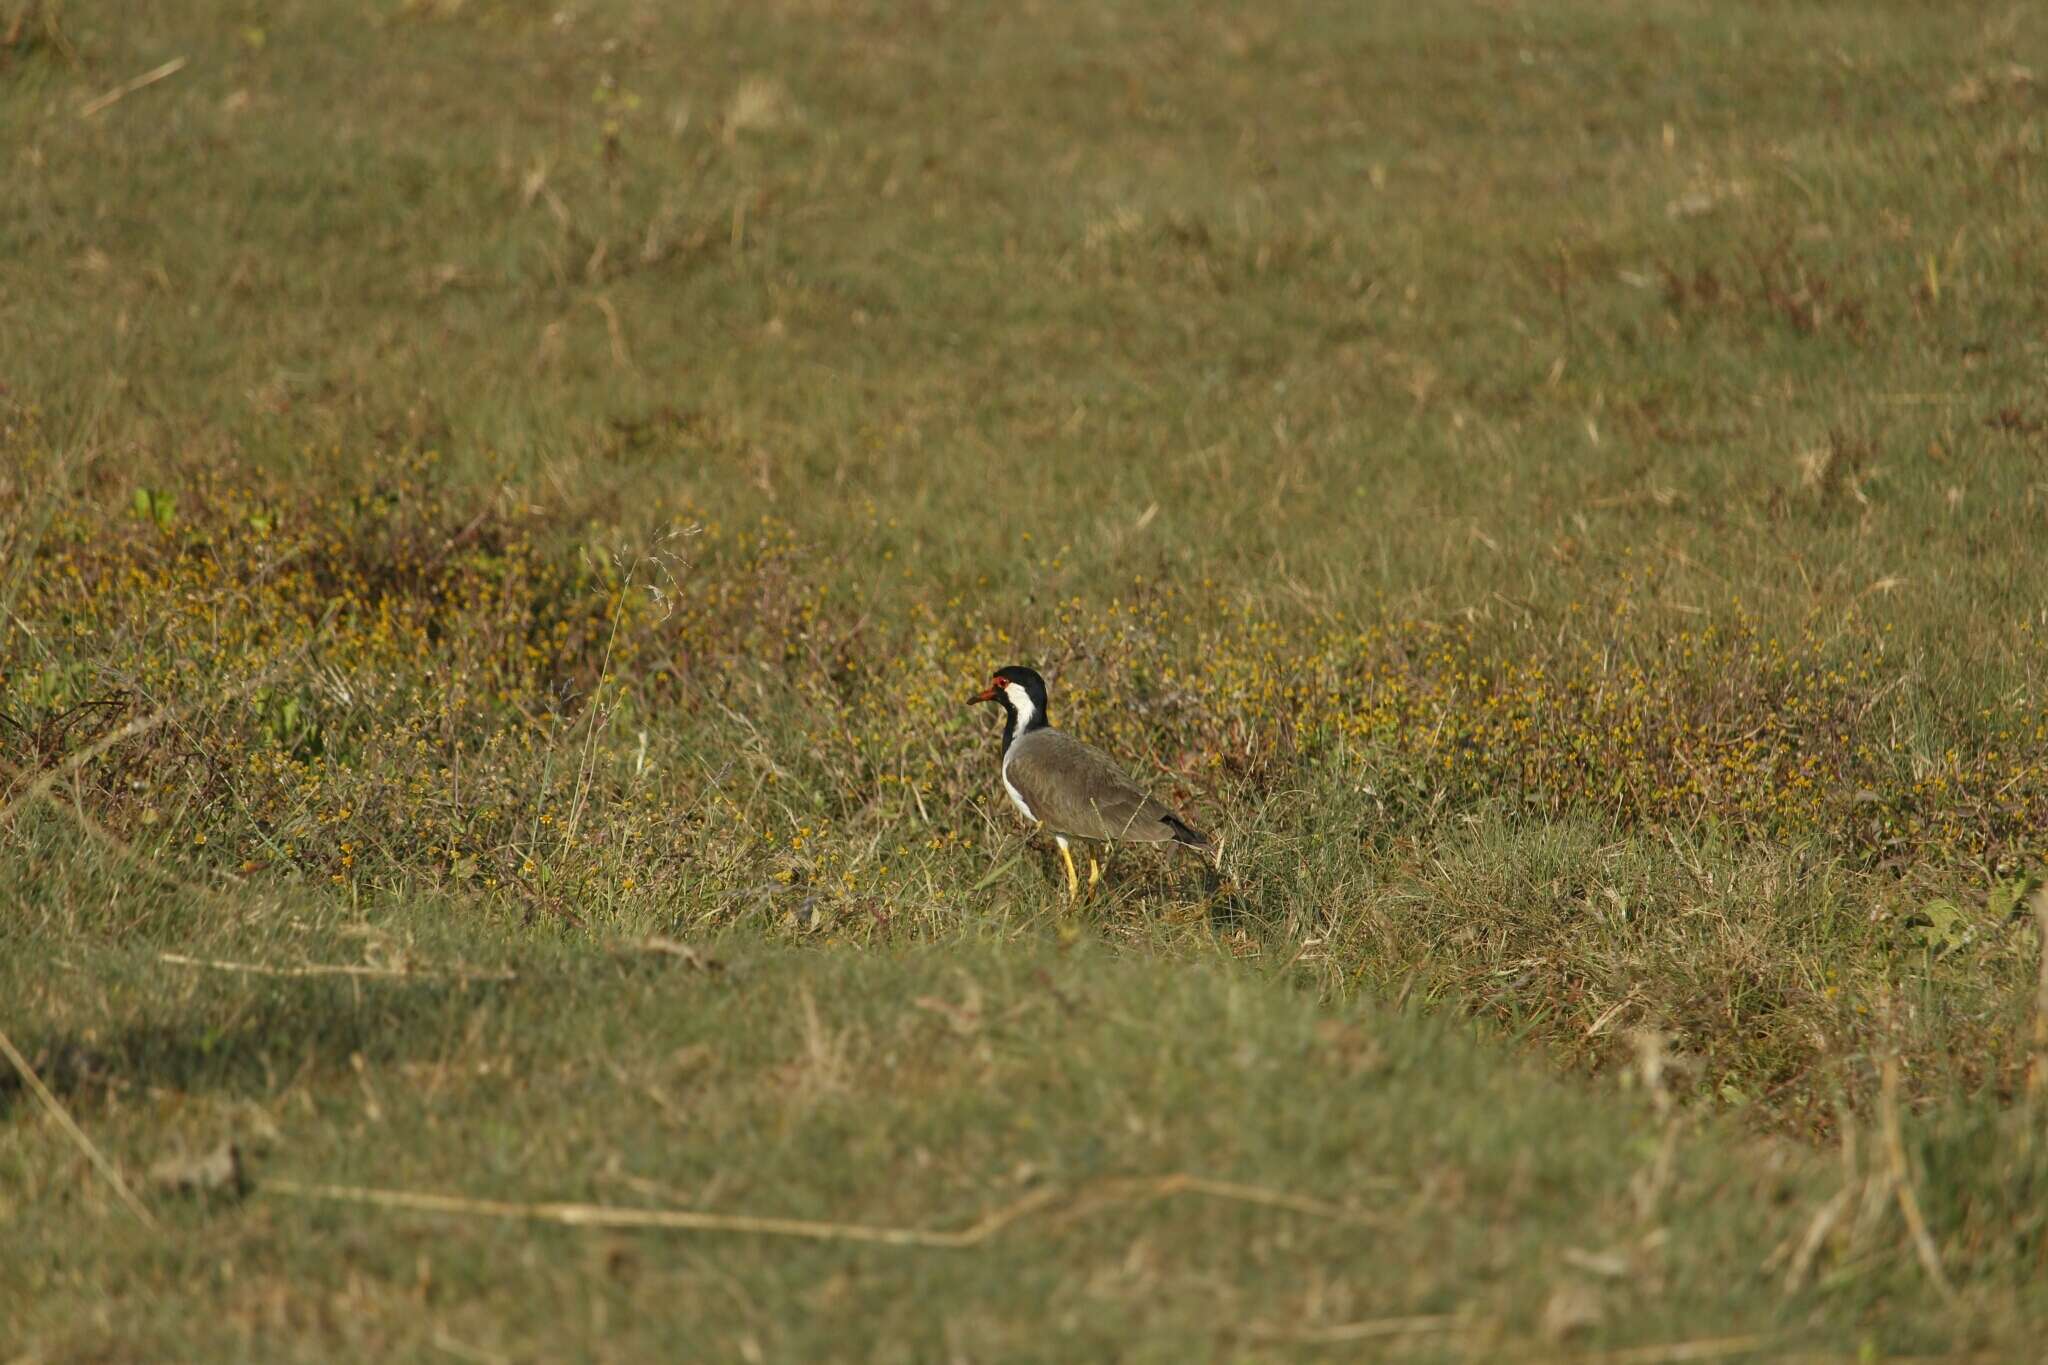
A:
1021, 700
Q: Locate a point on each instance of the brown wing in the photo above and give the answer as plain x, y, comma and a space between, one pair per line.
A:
1076, 789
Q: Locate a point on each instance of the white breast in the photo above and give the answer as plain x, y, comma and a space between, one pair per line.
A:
1016, 797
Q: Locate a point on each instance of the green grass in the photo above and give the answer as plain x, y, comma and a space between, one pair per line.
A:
1557, 490
917, 1089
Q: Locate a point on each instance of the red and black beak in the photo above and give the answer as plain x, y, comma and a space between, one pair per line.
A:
989, 693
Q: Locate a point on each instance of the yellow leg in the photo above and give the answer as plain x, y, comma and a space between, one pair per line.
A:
1073, 882
1094, 875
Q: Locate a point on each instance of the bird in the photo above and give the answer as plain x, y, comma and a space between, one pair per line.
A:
1072, 789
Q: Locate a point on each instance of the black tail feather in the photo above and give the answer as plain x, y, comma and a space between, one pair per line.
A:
1184, 833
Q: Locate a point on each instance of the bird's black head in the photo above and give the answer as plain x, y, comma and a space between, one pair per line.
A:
1022, 694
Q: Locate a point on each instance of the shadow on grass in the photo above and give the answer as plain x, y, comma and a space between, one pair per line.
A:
282, 1032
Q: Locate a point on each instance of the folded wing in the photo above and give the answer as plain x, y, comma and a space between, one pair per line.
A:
1076, 789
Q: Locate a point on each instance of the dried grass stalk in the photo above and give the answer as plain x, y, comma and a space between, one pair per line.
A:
1087, 1202
76, 1134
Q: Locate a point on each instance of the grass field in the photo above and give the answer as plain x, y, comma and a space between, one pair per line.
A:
1558, 489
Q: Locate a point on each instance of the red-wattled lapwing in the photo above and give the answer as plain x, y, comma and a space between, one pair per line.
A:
1073, 789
